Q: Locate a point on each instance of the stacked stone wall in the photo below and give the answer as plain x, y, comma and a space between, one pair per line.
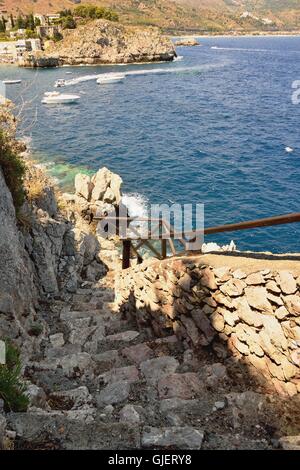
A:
254, 316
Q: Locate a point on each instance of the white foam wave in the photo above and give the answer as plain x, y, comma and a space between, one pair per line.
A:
137, 207
178, 58
136, 204
242, 49
161, 70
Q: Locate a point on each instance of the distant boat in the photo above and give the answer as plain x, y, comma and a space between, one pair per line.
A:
55, 97
111, 78
60, 82
11, 82
289, 149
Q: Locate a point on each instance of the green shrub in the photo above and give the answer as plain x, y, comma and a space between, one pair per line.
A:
13, 169
94, 12
12, 389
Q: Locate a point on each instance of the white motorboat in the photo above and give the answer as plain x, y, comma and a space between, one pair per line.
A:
11, 82
54, 97
60, 82
111, 78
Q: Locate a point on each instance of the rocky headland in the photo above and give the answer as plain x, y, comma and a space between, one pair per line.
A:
104, 42
187, 353
187, 42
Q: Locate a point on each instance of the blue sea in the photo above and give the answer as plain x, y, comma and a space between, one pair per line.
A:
213, 127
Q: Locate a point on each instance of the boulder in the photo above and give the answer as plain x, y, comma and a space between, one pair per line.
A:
287, 282
107, 186
186, 438
83, 186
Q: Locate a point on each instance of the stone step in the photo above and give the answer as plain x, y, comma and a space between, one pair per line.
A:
73, 430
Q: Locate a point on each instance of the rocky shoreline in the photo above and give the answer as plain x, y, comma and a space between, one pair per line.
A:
104, 42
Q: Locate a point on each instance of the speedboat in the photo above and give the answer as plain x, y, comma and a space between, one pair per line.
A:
60, 82
111, 78
54, 97
11, 82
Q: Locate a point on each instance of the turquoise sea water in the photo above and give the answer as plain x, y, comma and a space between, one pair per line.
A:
211, 128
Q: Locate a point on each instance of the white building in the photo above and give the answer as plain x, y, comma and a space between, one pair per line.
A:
42, 19
53, 17
7, 49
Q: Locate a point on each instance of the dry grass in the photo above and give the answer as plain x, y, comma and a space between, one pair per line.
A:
34, 190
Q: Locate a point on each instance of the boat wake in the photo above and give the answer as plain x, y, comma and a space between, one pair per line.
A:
156, 71
242, 49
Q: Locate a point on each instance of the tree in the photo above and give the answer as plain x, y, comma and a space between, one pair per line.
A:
68, 22
2, 27
94, 12
12, 21
21, 24
30, 22
4, 23
65, 13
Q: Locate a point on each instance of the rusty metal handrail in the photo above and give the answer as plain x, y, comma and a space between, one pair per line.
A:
247, 225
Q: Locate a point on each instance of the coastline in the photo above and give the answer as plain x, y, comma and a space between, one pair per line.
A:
237, 35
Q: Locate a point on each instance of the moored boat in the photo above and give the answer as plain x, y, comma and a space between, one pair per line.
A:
111, 78
59, 98
11, 82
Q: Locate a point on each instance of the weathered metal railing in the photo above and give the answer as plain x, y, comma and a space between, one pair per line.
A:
166, 234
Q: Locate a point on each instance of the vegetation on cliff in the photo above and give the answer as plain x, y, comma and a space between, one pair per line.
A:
12, 166
12, 389
185, 15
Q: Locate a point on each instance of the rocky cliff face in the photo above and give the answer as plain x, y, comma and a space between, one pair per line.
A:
104, 42
18, 294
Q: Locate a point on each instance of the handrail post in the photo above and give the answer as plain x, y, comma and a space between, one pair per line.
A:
163, 240
126, 254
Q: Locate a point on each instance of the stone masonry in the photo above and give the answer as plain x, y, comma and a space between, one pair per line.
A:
254, 316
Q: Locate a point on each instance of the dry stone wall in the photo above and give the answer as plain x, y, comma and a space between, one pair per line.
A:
254, 316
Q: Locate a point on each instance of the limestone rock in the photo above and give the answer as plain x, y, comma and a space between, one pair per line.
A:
154, 369
292, 303
138, 353
57, 340
257, 298
233, 288
217, 320
287, 282
185, 438
83, 186
36, 395
128, 373
273, 287
281, 313
239, 274
129, 414
187, 42
125, 336
185, 386
116, 392
290, 442
255, 279
208, 279
101, 181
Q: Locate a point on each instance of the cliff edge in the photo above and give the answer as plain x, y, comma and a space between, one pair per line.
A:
104, 42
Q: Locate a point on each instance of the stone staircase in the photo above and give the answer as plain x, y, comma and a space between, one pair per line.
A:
101, 384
